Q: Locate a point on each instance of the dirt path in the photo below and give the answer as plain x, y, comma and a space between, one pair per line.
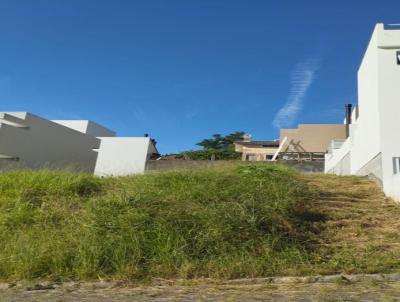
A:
358, 227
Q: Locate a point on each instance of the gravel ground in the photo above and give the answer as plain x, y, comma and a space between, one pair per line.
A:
289, 289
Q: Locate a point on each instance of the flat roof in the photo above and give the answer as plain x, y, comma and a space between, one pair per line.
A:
259, 143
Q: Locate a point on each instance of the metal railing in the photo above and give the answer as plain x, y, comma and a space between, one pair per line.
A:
302, 156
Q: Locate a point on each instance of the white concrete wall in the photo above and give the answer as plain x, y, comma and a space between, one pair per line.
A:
87, 127
38, 142
366, 137
119, 156
375, 136
388, 43
392, 186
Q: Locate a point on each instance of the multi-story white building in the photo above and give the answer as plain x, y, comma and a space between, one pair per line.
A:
29, 141
373, 143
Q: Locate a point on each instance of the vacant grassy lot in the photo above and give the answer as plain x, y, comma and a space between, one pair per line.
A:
224, 222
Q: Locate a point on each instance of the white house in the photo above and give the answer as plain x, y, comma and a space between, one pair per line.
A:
34, 142
27, 140
373, 143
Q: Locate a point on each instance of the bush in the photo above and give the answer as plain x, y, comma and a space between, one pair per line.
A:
210, 153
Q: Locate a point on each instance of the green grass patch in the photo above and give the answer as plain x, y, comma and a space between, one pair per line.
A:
229, 221
226, 222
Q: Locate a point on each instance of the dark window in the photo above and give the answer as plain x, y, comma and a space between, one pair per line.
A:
398, 57
396, 165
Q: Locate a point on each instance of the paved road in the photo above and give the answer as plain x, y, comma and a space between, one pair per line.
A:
334, 291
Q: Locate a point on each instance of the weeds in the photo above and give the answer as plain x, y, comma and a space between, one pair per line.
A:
224, 222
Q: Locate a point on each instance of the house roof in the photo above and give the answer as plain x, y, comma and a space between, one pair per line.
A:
259, 144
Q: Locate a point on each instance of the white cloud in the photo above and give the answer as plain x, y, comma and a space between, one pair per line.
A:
302, 77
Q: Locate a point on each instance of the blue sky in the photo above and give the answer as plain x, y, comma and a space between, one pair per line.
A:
183, 70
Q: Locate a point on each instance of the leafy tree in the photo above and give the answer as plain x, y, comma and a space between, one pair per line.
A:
216, 147
219, 142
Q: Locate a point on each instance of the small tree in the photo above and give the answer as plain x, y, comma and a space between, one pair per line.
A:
218, 147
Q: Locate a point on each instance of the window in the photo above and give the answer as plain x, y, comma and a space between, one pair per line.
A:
269, 157
250, 157
396, 165
398, 57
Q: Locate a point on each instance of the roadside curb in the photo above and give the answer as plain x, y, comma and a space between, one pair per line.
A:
320, 279
75, 285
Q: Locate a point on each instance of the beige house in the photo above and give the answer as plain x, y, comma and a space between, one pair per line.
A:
307, 142
256, 150
314, 138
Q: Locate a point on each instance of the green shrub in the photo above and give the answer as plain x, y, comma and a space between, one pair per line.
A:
207, 154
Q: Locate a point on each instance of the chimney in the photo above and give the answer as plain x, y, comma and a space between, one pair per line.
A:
348, 109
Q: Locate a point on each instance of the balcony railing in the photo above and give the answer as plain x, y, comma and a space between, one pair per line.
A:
335, 144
